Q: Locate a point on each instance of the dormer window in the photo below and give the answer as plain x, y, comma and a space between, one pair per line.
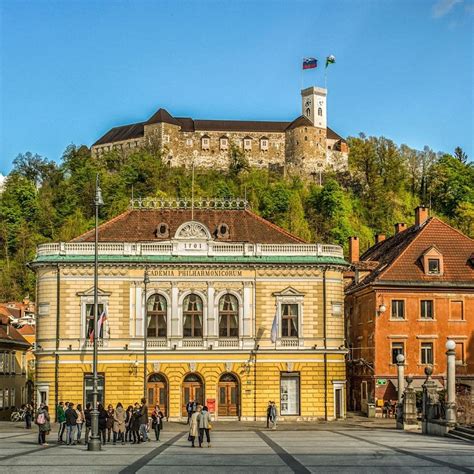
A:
432, 261
247, 143
224, 143
205, 142
162, 230
433, 266
223, 231
264, 144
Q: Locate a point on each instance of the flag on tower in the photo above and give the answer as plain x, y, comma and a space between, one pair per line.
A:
310, 63
331, 59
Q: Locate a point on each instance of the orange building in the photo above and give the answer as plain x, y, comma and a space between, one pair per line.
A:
409, 294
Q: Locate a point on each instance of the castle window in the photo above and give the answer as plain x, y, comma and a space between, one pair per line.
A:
247, 143
166, 138
224, 143
189, 142
264, 144
308, 112
205, 143
305, 139
320, 111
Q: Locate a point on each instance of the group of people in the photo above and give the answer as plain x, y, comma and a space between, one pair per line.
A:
272, 415
115, 424
199, 420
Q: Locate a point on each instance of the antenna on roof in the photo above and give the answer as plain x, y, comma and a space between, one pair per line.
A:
192, 191
132, 192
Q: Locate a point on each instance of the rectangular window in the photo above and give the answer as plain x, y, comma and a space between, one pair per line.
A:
224, 142
6, 356
247, 144
397, 348
459, 353
290, 393
457, 311
2, 362
289, 320
12, 397
427, 353
166, 138
1, 398
43, 309
264, 144
336, 309
90, 320
89, 387
398, 309
13, 362
433, 266
6, 398
426, 309
205, 143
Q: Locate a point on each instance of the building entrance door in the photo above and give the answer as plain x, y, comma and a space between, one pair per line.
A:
157, 389
228, 391
193, 390
338, 396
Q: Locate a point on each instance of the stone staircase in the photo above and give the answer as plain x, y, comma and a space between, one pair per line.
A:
463, 433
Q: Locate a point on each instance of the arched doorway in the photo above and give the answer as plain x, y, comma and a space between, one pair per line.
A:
228, 393
193, 390
157, 389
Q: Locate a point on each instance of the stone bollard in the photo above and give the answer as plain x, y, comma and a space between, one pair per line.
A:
451, 382
410, 420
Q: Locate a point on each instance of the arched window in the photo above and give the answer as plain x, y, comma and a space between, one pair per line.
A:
228, 316
192, 316
308, 112
156, 316
320, 111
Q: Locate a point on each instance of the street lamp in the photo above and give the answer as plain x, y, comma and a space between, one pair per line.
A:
94, 440
146, 281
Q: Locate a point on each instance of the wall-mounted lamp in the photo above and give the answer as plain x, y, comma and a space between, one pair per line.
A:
381, 309
69, 348
125, 347
174, 347
210, 347
315, 347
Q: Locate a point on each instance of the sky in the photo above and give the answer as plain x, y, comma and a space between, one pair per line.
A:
72, 69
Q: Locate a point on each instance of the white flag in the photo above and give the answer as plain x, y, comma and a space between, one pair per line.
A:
274, 333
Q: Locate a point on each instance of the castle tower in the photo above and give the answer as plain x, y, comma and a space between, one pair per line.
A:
314, 105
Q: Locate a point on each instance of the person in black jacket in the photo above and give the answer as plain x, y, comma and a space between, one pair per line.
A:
128, 423
102, 422
88, 417
136, 415
71, 424
157, 421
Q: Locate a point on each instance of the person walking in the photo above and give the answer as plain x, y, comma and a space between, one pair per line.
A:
205, 426
71, 424
269, 407
110, 421
28, 416
102, 422
61, 420
194, 426
128, 424
119, 423
157, 421
273, 415
44, 424
79, 422
190, 409
144, 420
88, 420
135, 423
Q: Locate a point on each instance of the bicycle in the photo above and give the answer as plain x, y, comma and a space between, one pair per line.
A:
18, 415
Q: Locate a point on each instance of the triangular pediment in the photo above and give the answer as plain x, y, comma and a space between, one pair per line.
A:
289, 291
432, 251
90, 292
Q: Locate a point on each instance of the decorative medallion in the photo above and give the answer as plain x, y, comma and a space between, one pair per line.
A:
289, 366
192, 366
156, 366
192, 230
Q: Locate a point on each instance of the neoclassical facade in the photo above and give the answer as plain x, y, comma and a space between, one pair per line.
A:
305, 144
219, 278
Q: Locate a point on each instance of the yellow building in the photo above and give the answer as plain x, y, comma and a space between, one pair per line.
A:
220, 277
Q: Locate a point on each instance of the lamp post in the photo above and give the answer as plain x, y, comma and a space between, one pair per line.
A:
401, 375
94, 440
146, 281
451, 381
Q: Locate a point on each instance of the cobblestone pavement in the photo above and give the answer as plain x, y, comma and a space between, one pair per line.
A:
342, 447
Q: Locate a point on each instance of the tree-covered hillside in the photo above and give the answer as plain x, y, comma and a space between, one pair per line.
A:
44, 201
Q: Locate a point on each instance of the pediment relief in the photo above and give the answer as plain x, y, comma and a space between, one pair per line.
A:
90, 292
192, 230
289, 291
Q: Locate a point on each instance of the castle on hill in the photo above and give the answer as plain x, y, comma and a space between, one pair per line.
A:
306, 144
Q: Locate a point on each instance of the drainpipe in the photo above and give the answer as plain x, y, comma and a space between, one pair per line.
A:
255, 345
56, 355
325, 349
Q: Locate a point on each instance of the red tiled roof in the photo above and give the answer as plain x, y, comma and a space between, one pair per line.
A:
136, 225
399, 257
10, 335
27, 330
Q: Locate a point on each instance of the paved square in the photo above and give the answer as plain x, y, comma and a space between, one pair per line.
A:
238, 449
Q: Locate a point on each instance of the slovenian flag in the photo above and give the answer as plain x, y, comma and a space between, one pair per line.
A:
274, 332
310, 63
331, 59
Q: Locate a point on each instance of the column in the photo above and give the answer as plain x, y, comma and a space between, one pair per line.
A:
210, 324
451, 381
138, 312
401, 376
175, 329
247, 317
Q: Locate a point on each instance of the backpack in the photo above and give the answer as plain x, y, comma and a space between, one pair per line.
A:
41, 419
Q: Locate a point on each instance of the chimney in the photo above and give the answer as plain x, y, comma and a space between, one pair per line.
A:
400, 227
353, 249
379, 238
421, 215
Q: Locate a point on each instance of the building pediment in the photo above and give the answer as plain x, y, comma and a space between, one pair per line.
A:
289, 291
192, 230
90, 292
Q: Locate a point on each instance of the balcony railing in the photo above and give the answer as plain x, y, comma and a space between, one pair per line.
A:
175, 248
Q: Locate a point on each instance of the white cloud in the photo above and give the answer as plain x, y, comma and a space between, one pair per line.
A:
2, 180
443, 7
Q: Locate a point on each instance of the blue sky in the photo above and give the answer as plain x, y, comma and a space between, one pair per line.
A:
70, 70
